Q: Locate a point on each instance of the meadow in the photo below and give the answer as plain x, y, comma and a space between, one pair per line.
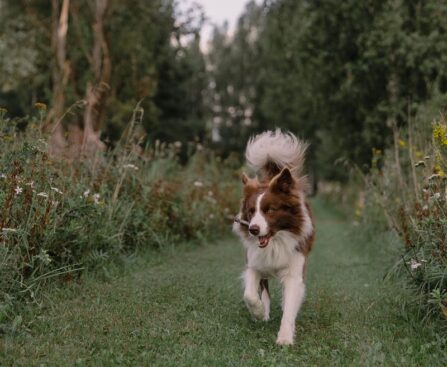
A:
122, 137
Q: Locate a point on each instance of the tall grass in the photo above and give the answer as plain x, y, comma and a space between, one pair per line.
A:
408, 184
59, 218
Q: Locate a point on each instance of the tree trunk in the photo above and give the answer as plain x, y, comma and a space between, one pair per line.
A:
96, 93
61, 73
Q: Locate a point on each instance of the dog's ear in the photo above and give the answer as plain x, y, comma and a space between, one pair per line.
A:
283, 182
245, 179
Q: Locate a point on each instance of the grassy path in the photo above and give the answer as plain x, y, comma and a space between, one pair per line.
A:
186, 310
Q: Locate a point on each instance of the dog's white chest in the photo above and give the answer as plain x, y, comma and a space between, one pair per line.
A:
275, 259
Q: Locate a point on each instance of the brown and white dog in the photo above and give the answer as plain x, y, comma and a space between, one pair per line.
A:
276, 226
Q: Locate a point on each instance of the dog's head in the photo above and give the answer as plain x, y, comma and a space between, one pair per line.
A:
270, 207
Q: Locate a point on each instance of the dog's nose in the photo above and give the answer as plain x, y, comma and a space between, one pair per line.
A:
254, 229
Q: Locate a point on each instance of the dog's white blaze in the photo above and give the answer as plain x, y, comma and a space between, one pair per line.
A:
258, 219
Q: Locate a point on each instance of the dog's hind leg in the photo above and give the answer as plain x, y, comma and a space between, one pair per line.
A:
265, 298
254, 304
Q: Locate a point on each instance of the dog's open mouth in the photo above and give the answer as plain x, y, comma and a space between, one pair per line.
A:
264, 240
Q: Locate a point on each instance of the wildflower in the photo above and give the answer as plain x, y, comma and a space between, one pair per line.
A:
440, 134
402, 143
86, 193
211, 216
40, 106
198, 184
414, 264
178, 144
132, 166
30, 184
437, 195
210, 193
44, 257
57, 190
2, 175
96, 198
43, 194
439, 171
18, 190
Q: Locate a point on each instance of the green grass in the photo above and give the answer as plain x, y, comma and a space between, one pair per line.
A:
185, 308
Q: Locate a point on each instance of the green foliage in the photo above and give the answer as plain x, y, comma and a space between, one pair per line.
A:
58, 218
410, 189
147, 65
340, 74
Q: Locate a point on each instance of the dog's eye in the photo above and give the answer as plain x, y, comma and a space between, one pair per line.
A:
271, 209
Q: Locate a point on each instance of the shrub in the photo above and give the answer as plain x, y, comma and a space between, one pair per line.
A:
58, 218
409, 184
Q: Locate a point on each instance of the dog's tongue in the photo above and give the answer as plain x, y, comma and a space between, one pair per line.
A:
263, 240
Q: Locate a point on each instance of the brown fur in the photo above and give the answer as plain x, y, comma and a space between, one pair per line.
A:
281, 205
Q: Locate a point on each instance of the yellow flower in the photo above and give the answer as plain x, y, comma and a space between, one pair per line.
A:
40, 106
438, 170
402, 143
440, 134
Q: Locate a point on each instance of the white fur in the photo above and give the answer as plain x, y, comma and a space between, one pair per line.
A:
293, 296
265, 298
259, 219
285, 149
279, 259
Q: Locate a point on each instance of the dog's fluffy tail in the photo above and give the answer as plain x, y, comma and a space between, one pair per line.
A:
268, 153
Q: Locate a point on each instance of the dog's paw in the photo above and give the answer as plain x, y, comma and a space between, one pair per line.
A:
285, 336
284, 341
255, 307
265, 317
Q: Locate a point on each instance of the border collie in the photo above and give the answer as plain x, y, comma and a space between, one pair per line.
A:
276, 226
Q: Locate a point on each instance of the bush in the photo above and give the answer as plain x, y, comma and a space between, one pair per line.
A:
409, 184
58, 218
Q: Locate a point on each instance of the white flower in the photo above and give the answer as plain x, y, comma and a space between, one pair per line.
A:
96, 198
198, 184
414, 264
57, 190
42, 194
2, 175
178, 144
132, 166
210, 193
437, 195
18, 190
30, 184
211, 216
86, 193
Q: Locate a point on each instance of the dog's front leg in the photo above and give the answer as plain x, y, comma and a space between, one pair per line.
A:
251, 293
293, 295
